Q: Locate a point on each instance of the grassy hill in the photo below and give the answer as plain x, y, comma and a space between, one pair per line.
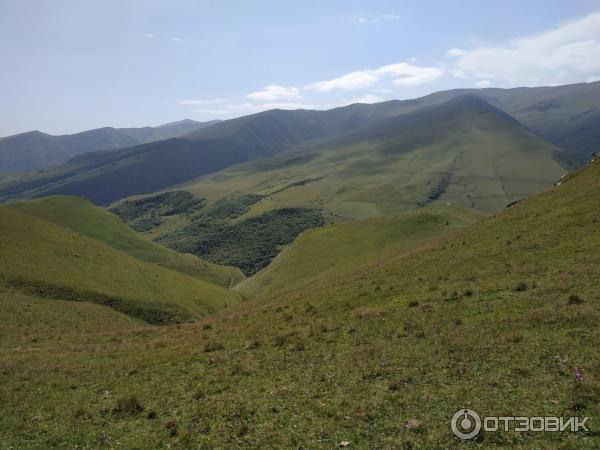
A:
34, 150
500, 316
187, 224
464, 151
44, 260
339, 249
81, 216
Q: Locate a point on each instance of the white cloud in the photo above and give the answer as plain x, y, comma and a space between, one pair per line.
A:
176, 39
362, 20
148, 35
569, 53
409, 75
369, 98
483, 84
454, 52
275, 92
212, 101
349, 82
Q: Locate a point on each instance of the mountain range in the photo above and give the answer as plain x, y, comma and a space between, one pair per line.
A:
564, 116
34, 150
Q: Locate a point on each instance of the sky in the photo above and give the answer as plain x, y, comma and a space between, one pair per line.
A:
71, 65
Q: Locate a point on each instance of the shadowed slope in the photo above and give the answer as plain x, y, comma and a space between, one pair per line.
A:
35, 150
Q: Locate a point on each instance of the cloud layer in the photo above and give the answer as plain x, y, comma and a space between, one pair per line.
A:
274, 92
403, 74
567, 54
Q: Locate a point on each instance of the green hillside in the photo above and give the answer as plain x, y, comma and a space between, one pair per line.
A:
336, 250
188, 224
44, 260
81, 216
464, 152
499, 316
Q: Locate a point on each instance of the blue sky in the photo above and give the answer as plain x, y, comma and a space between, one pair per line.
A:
68, 66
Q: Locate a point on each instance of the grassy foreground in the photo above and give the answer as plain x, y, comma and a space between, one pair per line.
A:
498, 316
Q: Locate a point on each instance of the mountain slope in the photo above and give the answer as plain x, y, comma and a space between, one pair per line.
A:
568, 116
500, 317
83, 217
34, 150
44, 260
106, 176
336, 250
463, 151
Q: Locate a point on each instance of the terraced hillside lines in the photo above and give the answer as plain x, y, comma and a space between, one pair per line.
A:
80, 215
329, 252
44, 260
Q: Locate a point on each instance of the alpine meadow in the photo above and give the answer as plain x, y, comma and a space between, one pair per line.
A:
394, 243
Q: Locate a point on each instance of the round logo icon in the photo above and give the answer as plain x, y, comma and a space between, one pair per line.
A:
465, 424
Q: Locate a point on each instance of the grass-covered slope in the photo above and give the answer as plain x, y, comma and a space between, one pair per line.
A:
214, 230
49, 261
500, 316
340, 249
464, 151
81, 216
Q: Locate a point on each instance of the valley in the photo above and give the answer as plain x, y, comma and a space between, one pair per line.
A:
309, 279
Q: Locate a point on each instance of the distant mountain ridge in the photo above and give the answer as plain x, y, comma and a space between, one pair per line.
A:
106, 176
34, 150
567, 116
